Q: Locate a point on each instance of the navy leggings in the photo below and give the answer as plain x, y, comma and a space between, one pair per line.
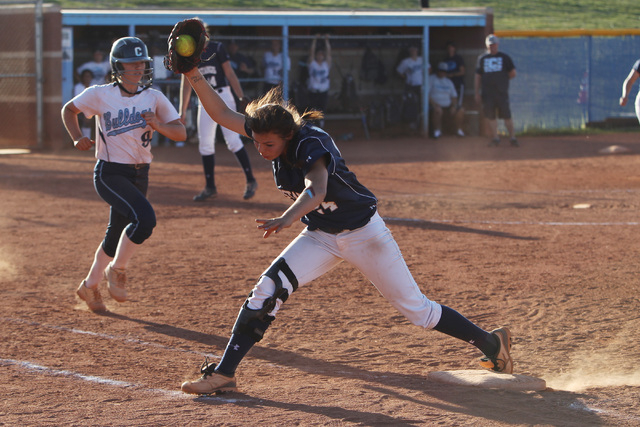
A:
124, 188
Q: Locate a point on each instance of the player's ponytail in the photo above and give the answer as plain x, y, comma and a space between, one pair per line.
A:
272, 113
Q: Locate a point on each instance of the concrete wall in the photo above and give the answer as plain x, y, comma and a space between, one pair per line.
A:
18, 127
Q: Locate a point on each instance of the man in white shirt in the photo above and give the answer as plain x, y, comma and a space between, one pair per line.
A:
443, 97
410, 68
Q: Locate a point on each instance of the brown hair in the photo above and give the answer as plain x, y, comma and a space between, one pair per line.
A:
272, 113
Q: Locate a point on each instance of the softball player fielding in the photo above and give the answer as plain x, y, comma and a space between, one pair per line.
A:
342, 224
128, 113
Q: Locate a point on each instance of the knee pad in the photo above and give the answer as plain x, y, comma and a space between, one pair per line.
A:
254, 323
280, 292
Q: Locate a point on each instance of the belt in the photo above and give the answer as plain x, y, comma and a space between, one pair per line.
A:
331, 230
138, 165
128, 165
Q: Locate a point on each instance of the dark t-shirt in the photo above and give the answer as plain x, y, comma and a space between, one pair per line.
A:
495, 70
348, 204
454, 63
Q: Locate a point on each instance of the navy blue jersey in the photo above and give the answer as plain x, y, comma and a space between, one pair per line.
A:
495, 70
454, 63
212, 68
348, 204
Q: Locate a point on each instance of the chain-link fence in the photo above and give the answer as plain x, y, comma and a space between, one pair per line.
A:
567, 82
21, 96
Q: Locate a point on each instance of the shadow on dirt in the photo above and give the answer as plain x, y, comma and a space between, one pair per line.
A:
498, 405
439, 226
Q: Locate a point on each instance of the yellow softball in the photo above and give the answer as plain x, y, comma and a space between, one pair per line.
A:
185, 45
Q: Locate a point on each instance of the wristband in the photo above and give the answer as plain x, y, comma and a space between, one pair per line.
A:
309, 192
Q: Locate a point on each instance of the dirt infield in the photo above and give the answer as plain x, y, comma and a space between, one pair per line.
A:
541, 238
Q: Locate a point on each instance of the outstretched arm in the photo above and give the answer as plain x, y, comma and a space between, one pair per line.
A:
327, 49
213, 104
314, 193
312, 50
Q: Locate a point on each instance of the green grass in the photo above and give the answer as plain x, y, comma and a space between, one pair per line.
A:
555, 14
242, 4
508, 14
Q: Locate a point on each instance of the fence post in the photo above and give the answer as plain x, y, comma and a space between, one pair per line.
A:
39, 74
425, 80
589, 47
285, 62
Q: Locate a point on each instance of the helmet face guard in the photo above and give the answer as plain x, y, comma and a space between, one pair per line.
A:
127, 50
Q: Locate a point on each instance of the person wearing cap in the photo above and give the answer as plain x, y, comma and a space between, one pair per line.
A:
494, 71
443, 98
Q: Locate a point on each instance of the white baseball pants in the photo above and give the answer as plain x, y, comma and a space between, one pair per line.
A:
207, 127
372, 250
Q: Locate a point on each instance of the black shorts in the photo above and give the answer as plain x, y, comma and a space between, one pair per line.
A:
496, 106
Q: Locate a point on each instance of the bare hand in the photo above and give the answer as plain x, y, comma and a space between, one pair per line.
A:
84, 143
273, 225
623, 101
151, 119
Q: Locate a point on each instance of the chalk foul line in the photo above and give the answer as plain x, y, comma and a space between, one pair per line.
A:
550, 223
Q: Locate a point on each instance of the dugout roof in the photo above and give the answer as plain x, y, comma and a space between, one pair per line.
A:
472, 17
419, 19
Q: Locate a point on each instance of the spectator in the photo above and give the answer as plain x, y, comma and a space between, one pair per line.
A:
455, 70
273, 63
85, 81
99, 66
494, 70
628, 84
244, 66
318, 84
410, 68
218, 72
443, 97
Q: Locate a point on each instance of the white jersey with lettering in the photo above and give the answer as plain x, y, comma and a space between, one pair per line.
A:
123, 136
319, 76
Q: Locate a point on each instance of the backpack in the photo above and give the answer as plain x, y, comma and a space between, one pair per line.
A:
372, 68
